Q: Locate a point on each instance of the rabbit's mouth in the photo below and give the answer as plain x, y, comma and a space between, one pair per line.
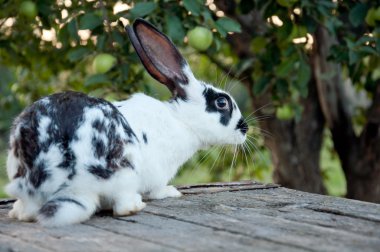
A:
242, 126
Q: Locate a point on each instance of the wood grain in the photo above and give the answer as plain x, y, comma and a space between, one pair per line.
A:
239, 216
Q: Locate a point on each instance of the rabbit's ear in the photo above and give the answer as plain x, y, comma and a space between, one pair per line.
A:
159, 56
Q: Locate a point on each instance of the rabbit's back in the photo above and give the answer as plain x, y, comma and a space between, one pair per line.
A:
65, 136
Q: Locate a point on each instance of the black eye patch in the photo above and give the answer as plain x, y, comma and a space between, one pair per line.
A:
211, 96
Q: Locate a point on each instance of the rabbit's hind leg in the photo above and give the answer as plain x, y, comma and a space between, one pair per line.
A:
67, 209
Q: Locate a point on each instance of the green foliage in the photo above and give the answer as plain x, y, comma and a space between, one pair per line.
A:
54, 49
281, 62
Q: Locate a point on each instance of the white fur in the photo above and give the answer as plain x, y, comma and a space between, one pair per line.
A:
175, 131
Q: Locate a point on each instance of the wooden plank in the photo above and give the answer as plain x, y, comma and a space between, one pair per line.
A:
9, 243
183, 236
274, 229
213, 217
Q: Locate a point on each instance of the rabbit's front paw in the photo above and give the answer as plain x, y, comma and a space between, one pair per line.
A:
128, 205
165, 192
23, 212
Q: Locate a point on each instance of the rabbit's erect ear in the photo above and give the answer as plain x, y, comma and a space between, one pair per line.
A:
159, 56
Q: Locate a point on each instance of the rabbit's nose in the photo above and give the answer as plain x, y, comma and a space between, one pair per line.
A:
242, 126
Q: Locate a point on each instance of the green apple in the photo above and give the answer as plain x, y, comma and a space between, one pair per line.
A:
285, 112
103, 63
377, 13
200, 38
371, 17
28, 9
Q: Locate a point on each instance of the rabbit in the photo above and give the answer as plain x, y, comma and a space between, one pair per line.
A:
71, 155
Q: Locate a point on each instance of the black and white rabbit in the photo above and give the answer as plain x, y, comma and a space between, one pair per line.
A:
71, 154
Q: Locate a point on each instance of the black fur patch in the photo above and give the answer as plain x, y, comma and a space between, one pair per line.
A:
20, 171
99, 125
242, 126
49, 209
211, 96
100, 171
99, 147
66, 113
38, 174
145, 137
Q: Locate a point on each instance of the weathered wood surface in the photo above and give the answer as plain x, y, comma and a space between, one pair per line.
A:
216, 217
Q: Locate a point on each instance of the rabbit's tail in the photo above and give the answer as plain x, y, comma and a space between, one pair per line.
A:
66, 210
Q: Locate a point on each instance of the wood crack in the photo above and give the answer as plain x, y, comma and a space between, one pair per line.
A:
340, 213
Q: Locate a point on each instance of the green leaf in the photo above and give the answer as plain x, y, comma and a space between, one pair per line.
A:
357, 14
77, 53
228, 24
96, 79
63, 36
221, 30
193, 6
90, 21
142, 9
118, 38
174, 28
100, 42
72, 27
261, 85
283, 70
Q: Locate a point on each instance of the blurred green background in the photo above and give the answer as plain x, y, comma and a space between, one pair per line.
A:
291, 65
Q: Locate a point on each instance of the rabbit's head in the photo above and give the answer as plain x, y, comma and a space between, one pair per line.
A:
212, 114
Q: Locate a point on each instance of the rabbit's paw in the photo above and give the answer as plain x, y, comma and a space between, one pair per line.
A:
165, 192
128, 205
23, 212
15, 212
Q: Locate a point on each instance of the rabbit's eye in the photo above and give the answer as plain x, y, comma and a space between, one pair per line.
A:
221, 103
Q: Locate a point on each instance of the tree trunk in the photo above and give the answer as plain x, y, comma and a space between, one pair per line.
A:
359, 155
295, 146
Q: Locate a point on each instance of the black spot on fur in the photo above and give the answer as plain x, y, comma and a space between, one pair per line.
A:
38, 174
100, 171
99, 125
99, 147
30, 192
69, 159
145, 138
49, 209
115, 154
20, 171
52, 206
242, 126
211, 95
16, 148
